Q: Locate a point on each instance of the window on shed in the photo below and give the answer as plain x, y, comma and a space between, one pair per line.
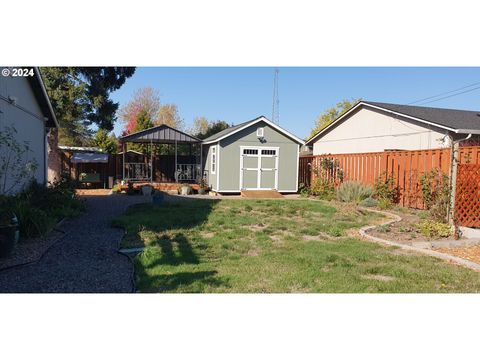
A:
269, 152
213, 160
260, 132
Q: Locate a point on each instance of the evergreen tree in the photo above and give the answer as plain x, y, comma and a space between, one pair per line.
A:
80, 97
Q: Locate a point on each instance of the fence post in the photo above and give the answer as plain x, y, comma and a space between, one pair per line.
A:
453, 181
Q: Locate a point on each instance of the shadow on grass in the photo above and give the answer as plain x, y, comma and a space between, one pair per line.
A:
184, 255
167, 225
171, 282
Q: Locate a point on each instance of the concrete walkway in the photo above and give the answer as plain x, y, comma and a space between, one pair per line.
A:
85, 260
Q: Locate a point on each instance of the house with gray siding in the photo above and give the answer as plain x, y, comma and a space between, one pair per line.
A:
255, 155
25, 106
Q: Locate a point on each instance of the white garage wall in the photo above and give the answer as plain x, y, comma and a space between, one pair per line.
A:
27, 118
371, 131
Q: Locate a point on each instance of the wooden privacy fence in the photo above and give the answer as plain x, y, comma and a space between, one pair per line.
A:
406, 167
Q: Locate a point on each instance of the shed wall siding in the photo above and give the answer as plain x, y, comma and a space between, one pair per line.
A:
229, 165
30, 129
212, 178
370, 130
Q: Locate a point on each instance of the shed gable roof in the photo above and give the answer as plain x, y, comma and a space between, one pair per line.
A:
234, 129
456, 121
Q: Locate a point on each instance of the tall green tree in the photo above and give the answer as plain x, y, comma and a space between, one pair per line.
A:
143, 122
80, 97
331, 114
105, 142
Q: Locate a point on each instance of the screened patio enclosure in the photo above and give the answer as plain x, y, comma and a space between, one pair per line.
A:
169, 155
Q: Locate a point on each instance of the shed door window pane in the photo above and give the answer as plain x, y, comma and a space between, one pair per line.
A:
269, 152
250, 151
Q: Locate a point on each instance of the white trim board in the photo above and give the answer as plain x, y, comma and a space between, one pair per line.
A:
217, 165
261, 118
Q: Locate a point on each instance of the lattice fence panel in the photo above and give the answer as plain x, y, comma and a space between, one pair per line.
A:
467, 198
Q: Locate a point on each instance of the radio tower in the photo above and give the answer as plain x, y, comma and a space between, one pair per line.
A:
276, 101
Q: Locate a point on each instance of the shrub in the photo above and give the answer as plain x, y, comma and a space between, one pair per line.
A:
384, 204
304, 190
369, 202
385, 188
323, 189
39, 208
353, 191
434, 229
436, 194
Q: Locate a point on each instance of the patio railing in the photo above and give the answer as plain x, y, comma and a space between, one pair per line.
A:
137, 171
188, 172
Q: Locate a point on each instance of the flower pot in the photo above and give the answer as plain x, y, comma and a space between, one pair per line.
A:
185, 190
201, 191
9, 235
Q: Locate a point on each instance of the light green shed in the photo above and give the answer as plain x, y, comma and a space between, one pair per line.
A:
255, 155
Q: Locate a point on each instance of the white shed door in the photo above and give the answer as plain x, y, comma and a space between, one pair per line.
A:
258, 168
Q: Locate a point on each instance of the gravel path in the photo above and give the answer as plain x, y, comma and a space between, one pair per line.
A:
85, 260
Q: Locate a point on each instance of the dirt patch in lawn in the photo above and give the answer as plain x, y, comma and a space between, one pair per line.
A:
471, 253
207, 235
319, 237
378, 277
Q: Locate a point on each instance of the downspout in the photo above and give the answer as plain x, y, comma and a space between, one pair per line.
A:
453, 176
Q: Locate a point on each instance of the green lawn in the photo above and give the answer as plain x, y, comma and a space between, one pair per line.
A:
274, 246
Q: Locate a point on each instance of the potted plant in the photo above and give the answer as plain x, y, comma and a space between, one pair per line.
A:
9, 233
185, 189
202, 190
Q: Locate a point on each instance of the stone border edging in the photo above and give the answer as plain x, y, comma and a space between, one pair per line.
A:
396, 218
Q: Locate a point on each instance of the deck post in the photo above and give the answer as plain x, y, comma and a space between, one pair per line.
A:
201, 162
151, 161
175, 170
124, 148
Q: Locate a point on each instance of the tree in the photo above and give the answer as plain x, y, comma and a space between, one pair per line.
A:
331, 114
107, 143
168, 115
146, 99
200, 125
212, 128
80, 97
143, 121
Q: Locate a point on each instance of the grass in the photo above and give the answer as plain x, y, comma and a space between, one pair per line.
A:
274, 246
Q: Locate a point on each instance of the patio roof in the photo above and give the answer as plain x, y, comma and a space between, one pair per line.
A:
87, 157
162, 134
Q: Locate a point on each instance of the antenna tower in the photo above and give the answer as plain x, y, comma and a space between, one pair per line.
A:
276, 101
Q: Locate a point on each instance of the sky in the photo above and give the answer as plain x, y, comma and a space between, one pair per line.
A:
238, 94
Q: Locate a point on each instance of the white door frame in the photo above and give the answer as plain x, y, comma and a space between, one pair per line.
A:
259, 165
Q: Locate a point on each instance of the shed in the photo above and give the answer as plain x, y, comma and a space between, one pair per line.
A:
255, 155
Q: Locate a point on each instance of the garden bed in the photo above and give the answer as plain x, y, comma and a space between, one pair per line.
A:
405, 231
